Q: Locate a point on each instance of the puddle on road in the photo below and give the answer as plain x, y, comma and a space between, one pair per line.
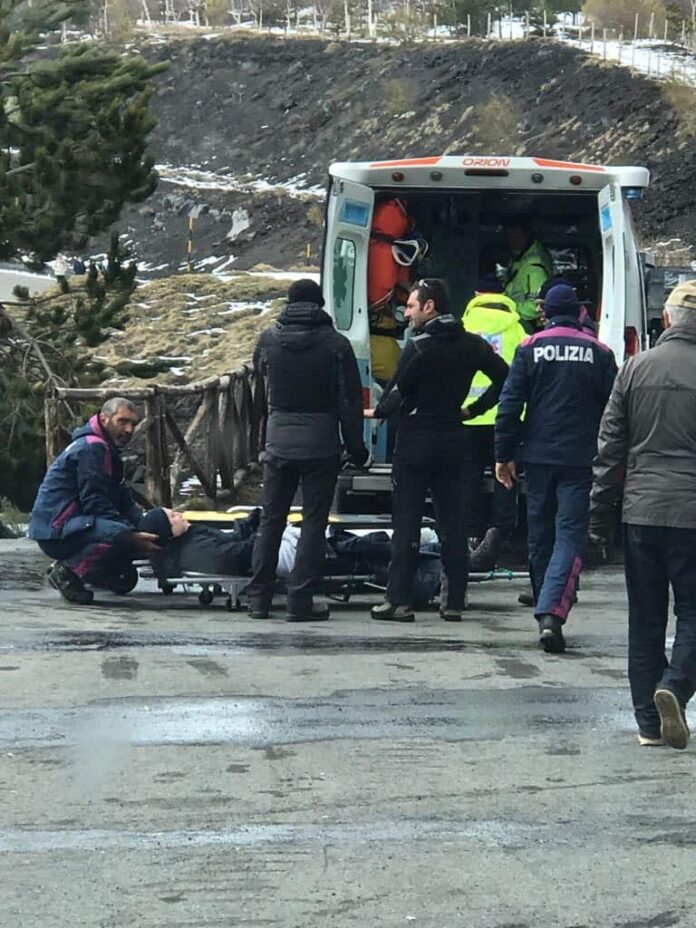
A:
491, 834
266, 641
447, 715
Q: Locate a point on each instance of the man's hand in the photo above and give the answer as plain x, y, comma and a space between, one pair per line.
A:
146, 543
506, 473
368, 413
601, 528
466, 413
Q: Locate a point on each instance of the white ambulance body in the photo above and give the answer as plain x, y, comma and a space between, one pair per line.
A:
580, 212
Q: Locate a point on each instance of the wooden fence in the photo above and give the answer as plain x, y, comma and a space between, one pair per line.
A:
223, 437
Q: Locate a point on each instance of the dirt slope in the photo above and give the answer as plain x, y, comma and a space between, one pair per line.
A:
275, 109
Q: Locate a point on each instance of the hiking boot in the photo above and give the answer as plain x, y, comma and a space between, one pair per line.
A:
258, 613
673, 727
526, 599
313, 613
551, 634
451, 615
485, 555
389, 612
652, 740
68, 584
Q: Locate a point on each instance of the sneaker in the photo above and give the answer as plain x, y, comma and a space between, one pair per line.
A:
526, 599
68, 584
650, 741
673, 727
451, 615
314, 613
551, 634
389, 612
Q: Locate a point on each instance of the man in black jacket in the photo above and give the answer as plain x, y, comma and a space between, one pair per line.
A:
432, 445
313, 388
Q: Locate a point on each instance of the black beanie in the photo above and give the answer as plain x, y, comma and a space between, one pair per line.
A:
156, 521
305, 291
561, 300
489, 283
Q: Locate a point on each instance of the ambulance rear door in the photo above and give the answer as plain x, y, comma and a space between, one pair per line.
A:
344, 273
612, 321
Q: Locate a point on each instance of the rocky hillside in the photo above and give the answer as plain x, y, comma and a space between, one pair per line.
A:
247, 112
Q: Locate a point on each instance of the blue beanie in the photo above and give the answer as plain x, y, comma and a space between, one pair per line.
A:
561, 300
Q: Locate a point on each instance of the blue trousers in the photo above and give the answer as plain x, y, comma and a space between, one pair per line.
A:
104, 550
558, 514
656, 558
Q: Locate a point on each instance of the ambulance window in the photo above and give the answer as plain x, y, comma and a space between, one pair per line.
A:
343, 282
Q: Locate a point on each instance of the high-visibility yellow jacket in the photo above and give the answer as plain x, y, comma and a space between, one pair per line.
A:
492, 316
385, 350
525, 276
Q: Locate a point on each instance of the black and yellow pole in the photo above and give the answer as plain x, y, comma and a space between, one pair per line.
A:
189, 248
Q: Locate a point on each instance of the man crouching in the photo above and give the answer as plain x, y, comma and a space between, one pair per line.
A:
85, 516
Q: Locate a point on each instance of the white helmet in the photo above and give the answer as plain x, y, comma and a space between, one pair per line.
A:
407, 251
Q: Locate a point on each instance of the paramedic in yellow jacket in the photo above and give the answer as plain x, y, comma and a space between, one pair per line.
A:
530, 266
493, 316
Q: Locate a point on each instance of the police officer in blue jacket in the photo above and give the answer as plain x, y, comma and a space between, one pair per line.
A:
562, 378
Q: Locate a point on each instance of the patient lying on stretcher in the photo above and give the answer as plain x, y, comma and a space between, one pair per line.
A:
203, 549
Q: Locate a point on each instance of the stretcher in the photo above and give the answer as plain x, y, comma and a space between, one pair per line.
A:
339, 588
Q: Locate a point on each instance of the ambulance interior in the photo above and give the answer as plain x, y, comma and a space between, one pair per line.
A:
466, 237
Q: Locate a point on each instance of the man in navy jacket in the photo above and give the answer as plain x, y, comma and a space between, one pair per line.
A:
561, 378
84, 515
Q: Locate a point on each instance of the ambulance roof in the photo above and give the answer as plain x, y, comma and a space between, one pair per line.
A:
489, 172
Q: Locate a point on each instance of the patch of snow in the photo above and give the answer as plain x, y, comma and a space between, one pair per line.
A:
199, 332
197, 179
236, 307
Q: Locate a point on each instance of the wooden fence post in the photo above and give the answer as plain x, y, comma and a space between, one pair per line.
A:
52, 428
226, 435
156, 463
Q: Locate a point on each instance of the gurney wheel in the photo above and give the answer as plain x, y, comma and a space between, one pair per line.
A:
205, 597
166, 588
233, 605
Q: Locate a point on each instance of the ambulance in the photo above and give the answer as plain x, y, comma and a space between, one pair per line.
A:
459, 205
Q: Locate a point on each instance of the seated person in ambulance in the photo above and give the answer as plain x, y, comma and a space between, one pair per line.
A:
530, 266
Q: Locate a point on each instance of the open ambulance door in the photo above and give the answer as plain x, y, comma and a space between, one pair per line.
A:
344, 273
612, 321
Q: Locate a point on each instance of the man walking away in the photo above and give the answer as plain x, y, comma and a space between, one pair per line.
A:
432, 380
313, 388
85, 515
647, 446
493, 316
563, 376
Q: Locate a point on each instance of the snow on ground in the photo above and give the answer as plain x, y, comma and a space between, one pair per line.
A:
199, 179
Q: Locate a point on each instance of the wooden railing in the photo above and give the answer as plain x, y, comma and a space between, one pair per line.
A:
217, 435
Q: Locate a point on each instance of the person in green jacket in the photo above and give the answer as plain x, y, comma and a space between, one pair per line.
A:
530, 266
494, 317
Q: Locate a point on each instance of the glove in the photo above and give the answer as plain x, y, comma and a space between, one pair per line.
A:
601, 527
358, 458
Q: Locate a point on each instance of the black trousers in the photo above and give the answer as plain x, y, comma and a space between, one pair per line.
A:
503, 502
656, 558
442, 464
281, 477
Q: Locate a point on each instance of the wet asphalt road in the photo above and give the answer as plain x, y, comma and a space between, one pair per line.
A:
165, 764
